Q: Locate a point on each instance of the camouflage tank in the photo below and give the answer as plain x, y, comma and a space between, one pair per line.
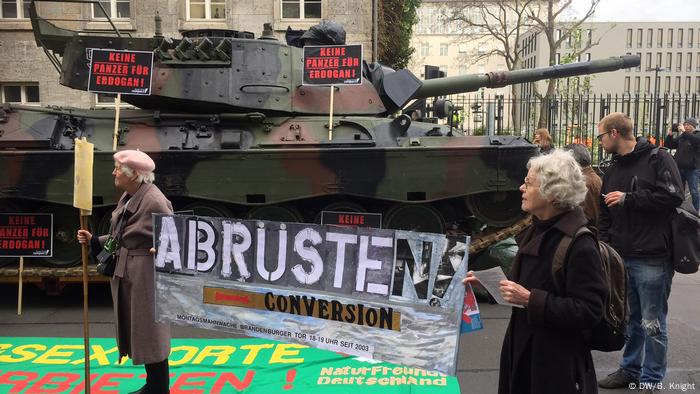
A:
235, 133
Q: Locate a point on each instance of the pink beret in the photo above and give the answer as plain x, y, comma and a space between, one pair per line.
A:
136, 160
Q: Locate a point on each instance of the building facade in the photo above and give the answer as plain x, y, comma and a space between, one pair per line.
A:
28, 77
669, 51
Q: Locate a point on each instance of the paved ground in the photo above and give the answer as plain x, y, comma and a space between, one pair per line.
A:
61, 316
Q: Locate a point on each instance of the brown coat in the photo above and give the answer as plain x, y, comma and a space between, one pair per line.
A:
544, 350
133, 283
591, 205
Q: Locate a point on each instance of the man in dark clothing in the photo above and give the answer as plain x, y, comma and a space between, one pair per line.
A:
591, 205
640, 190
687, 146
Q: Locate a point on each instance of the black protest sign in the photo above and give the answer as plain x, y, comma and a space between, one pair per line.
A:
333, 65
359, 219
26, 235
125, 72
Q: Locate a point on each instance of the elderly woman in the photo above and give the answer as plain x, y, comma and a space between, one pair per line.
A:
133, 283
543, 140
544, 350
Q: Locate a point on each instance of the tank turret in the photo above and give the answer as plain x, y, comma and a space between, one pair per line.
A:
209, 71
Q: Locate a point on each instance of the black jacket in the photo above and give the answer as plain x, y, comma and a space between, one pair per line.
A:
687, 147
544, 350
652, 183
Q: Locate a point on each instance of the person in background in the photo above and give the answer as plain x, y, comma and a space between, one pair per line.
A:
651, 139
641, 189
544, 350
543, 140
591, 205
687, 156
139, 336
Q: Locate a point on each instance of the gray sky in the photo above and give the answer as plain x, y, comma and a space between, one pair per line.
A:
642, 10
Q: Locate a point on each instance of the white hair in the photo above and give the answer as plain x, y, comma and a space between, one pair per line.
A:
142, 177
561, 180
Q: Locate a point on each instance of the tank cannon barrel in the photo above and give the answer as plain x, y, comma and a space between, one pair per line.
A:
471, 83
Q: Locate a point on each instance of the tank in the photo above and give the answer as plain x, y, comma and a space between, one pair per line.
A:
234, 133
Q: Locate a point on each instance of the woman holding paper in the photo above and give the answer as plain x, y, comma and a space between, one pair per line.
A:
139, 336
544, 349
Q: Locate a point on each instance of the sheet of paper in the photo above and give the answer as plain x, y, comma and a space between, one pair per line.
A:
490, 279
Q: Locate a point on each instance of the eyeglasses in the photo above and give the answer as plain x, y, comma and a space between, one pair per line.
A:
600, 136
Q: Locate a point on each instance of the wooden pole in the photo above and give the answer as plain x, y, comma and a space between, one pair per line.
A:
330, 117
117, 106
86, 326
19, 289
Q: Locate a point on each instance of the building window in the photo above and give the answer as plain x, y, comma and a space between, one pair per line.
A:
589, 37
206, 9
690, 38
20, 93
669, 37
697, 61
627, 85
680, 38
14, 9
658, 59
557, 58
463, 48
667, 85
639, 67
679, 61
640, 39
647, 84
115, 9
443, 49
660, 38
668, 61
301, 9
678, 84
424, 49
697, 84
588, 57
636, 84
650, 37
649, 65
689, 61
687, 85
629, 38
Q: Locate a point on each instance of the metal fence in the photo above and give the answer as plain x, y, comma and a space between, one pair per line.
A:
574, 118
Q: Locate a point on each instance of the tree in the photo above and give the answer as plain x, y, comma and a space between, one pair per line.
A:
397, 18
481, 22
547, 24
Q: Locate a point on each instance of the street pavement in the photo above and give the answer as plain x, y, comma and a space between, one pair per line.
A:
61, 316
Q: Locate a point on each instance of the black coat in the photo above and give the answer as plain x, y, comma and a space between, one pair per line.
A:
653, 189
544, 351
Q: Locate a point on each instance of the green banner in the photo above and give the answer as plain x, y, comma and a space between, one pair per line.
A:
56, 365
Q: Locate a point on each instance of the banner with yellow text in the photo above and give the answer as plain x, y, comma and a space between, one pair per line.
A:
55, 365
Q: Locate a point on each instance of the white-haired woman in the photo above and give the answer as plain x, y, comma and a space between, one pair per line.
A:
139, 336
544, 350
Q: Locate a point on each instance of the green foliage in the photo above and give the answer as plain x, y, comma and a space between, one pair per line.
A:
396, 20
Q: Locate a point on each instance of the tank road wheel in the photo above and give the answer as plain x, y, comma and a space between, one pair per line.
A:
423, 218
277, 213
66, 249
208, 209
102, 226
340, 206
498, 209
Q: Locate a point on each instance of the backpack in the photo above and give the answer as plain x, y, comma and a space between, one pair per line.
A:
610, 334
685, 236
